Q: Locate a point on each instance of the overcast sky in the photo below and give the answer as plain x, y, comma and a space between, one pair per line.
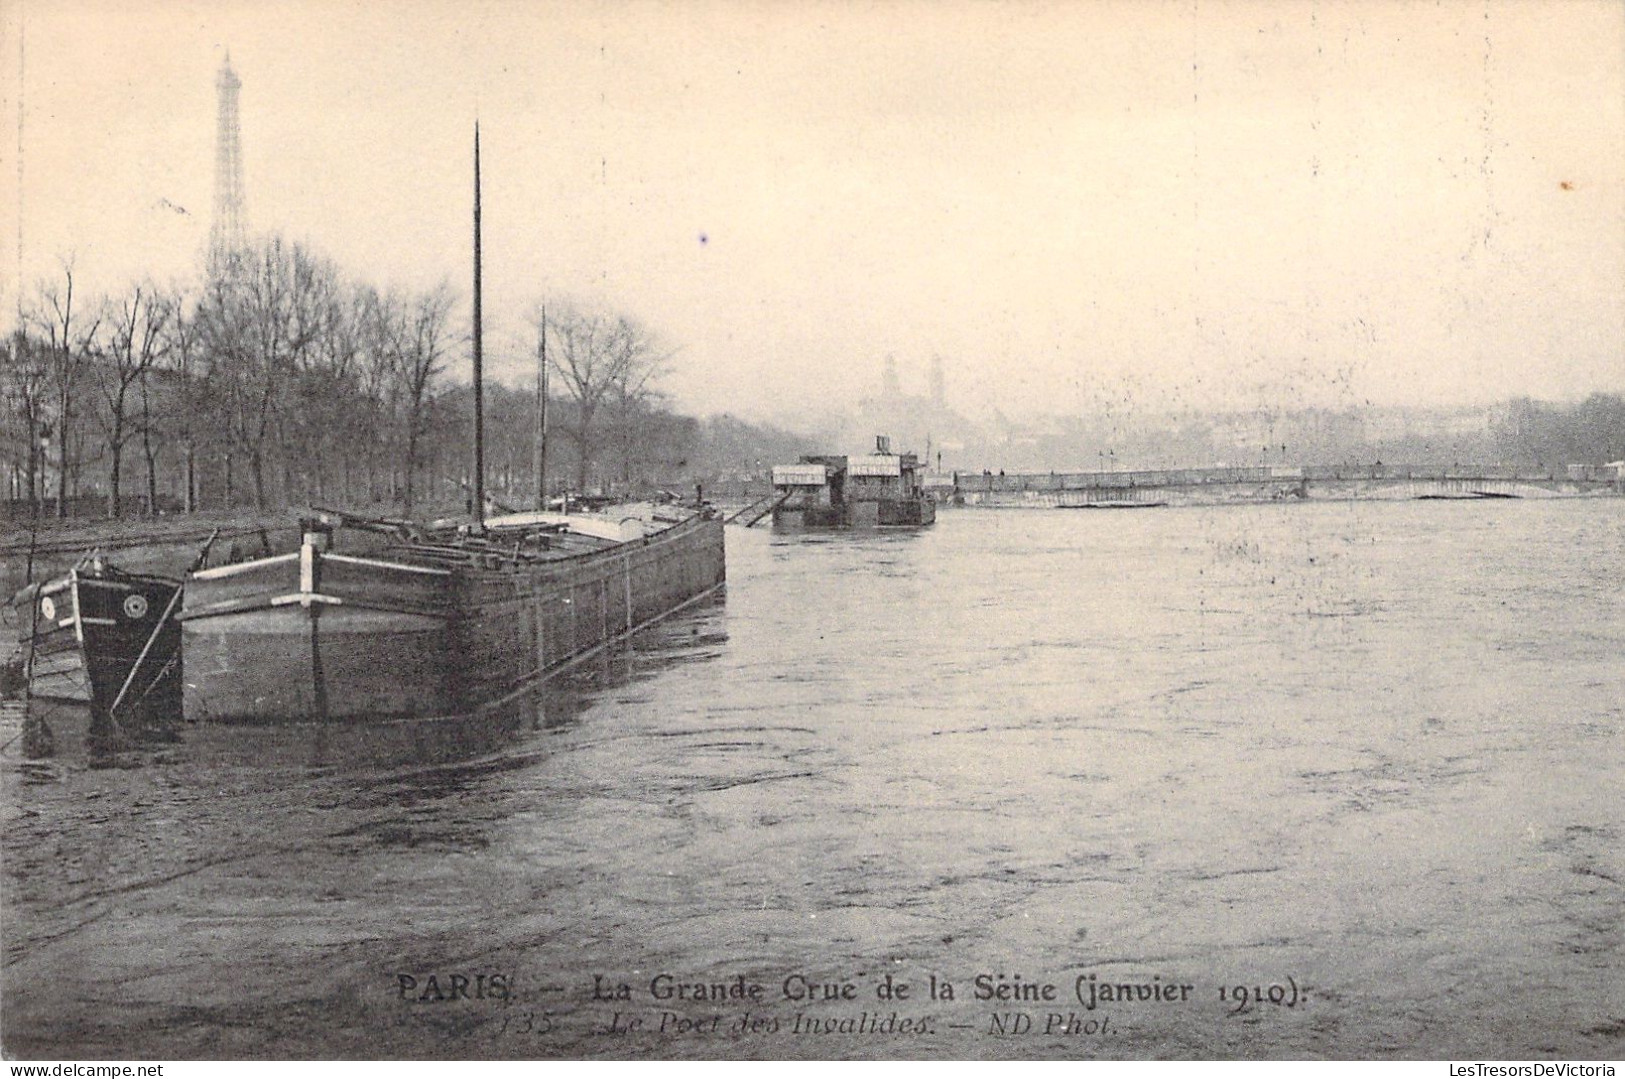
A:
1184, 204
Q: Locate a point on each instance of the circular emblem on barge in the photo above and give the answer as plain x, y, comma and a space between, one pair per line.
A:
135, 605
47, 609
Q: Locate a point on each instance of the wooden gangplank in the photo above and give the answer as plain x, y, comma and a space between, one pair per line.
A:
758, 509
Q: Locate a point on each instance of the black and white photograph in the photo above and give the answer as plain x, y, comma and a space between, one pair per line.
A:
758, 530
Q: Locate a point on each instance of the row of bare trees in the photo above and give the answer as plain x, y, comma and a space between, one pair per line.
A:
281, 381
278, 380
321, 387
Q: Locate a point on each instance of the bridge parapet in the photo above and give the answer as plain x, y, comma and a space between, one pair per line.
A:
1274, 482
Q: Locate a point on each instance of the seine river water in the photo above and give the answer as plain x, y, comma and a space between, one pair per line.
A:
1309, 780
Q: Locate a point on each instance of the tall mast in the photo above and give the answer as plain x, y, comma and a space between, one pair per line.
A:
479, 372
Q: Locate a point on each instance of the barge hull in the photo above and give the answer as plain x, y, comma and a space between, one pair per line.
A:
335, 640
889, 513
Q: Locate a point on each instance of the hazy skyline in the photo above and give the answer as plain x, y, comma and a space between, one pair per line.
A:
1073, 204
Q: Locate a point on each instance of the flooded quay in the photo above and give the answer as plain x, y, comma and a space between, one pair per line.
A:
1313, 780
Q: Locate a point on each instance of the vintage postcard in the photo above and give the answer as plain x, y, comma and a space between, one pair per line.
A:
749, 530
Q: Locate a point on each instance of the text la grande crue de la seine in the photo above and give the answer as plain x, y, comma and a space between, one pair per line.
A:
1088, 989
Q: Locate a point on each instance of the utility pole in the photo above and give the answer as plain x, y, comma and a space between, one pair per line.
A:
541, 414
479, 365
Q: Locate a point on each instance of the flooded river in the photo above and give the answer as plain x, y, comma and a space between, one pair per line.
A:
1312, 780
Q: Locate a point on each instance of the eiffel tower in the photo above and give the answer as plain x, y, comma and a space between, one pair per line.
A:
227, 234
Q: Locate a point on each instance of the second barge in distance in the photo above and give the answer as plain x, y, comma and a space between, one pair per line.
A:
878, 490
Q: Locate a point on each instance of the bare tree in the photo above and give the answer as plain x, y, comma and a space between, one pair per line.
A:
257, 322
376, 322
405, 342
70, 341
599, 358
24, 392
147, 424
633, 401
136, 338
321, 421
423, 347
180, 412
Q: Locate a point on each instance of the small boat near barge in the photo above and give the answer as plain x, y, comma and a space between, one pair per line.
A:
107, 640
878, 490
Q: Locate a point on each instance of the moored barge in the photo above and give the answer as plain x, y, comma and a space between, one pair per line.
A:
441, 626
878, 490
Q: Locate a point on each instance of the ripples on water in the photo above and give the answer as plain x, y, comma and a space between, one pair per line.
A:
1374, 749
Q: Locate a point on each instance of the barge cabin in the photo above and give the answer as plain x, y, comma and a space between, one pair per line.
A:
878, 490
